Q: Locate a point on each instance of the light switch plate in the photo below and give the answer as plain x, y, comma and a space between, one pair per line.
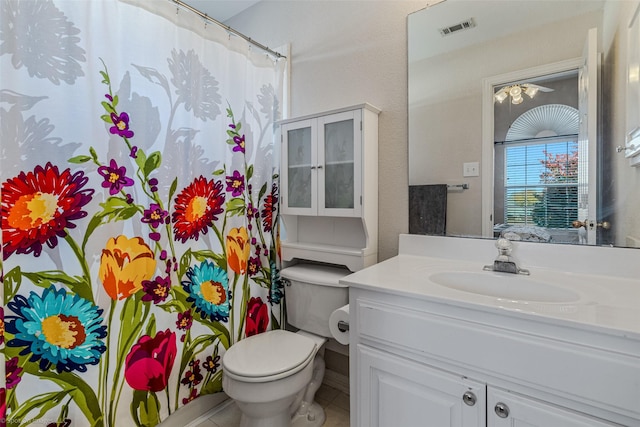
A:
471, 169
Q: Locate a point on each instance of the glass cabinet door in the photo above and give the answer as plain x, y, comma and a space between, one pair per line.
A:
339, 176
299, 143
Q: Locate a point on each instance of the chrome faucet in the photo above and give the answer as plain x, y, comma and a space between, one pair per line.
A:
504, 263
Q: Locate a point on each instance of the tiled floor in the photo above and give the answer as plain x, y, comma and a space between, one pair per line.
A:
334, 402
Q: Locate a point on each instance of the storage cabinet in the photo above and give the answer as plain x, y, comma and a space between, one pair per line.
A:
428, 363
323, 164
329, 181
398, 392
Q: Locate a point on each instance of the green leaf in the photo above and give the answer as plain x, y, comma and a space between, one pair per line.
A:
214, 385
152, 163
236, 206
185, 263
141, 158
76, 284
174, 186
115, 101
12, 282
145, 408
94, 155
263, 190
81, 393
249, 173
219, 172
106, 118
42, 402
79, 159
107, 107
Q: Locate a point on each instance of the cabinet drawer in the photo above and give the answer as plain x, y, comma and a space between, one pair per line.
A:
591, 376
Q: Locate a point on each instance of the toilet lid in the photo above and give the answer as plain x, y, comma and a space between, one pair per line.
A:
268, 354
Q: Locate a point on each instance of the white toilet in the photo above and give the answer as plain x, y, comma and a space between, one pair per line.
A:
273, 376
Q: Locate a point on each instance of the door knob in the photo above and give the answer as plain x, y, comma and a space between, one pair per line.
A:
502, 410
590, 224
469, 398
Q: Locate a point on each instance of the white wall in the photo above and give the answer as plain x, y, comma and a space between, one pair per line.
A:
344, 53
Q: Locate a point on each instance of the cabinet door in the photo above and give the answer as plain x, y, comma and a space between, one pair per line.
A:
340, 164
299, 163
397, 392
507, 409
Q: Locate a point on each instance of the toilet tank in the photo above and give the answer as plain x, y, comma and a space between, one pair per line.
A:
312, 293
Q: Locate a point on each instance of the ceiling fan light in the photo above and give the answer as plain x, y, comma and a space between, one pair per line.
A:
515, 91
500, 96
531, 91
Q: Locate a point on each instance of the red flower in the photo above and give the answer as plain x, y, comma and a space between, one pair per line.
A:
149, 363
270, 203
257, 317
38, 207
196, 208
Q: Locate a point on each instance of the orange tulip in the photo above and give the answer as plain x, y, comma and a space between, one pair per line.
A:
124, 265
238, 249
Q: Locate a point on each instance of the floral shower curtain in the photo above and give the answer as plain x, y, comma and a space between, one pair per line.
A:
139, 195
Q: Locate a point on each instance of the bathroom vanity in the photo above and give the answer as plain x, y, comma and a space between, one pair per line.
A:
437, 341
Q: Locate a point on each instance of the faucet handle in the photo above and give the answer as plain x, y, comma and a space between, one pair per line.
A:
504, 246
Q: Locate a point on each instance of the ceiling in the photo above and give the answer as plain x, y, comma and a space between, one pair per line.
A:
221, 10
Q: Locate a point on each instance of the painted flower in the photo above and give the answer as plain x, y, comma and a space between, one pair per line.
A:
211, 364
239, 143
257, 317
149, 362
13, 372
235, 184
254, 265
155, 215
38, 207
125, 263
208, 288
57, 329
115, 177
196, 208
276, 292
192, 377
185, 320
156, 290
238, 249
121, 125
65, 423
270, 204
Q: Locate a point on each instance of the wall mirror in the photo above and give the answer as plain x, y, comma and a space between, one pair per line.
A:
518, 121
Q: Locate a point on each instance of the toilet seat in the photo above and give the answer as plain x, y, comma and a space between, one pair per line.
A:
268, 356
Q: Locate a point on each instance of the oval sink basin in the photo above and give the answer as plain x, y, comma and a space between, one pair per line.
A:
506, 286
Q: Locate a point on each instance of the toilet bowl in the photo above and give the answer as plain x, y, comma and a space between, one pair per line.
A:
273, 376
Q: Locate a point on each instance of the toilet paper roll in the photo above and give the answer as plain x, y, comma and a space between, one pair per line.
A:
341, 314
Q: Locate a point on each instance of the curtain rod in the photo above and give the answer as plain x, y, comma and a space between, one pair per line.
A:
228, 28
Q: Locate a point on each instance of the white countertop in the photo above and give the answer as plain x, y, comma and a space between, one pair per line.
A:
607, 302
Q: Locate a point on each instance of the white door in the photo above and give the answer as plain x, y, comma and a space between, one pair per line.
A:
505, 409
397, 392
588, 138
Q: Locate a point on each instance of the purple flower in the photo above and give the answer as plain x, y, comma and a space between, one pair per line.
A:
121, 125
156, 290
155, 215
134, 150
115, 178
235, 184
239, 140
13, 372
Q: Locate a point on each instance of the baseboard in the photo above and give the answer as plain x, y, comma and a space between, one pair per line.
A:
335, 380
197, 411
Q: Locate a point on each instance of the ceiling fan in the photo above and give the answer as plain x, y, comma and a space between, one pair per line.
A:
515, 91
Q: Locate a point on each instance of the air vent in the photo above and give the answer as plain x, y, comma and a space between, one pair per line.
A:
464, 25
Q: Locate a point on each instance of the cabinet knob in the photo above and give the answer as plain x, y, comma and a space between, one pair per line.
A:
502, 410
469, 398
